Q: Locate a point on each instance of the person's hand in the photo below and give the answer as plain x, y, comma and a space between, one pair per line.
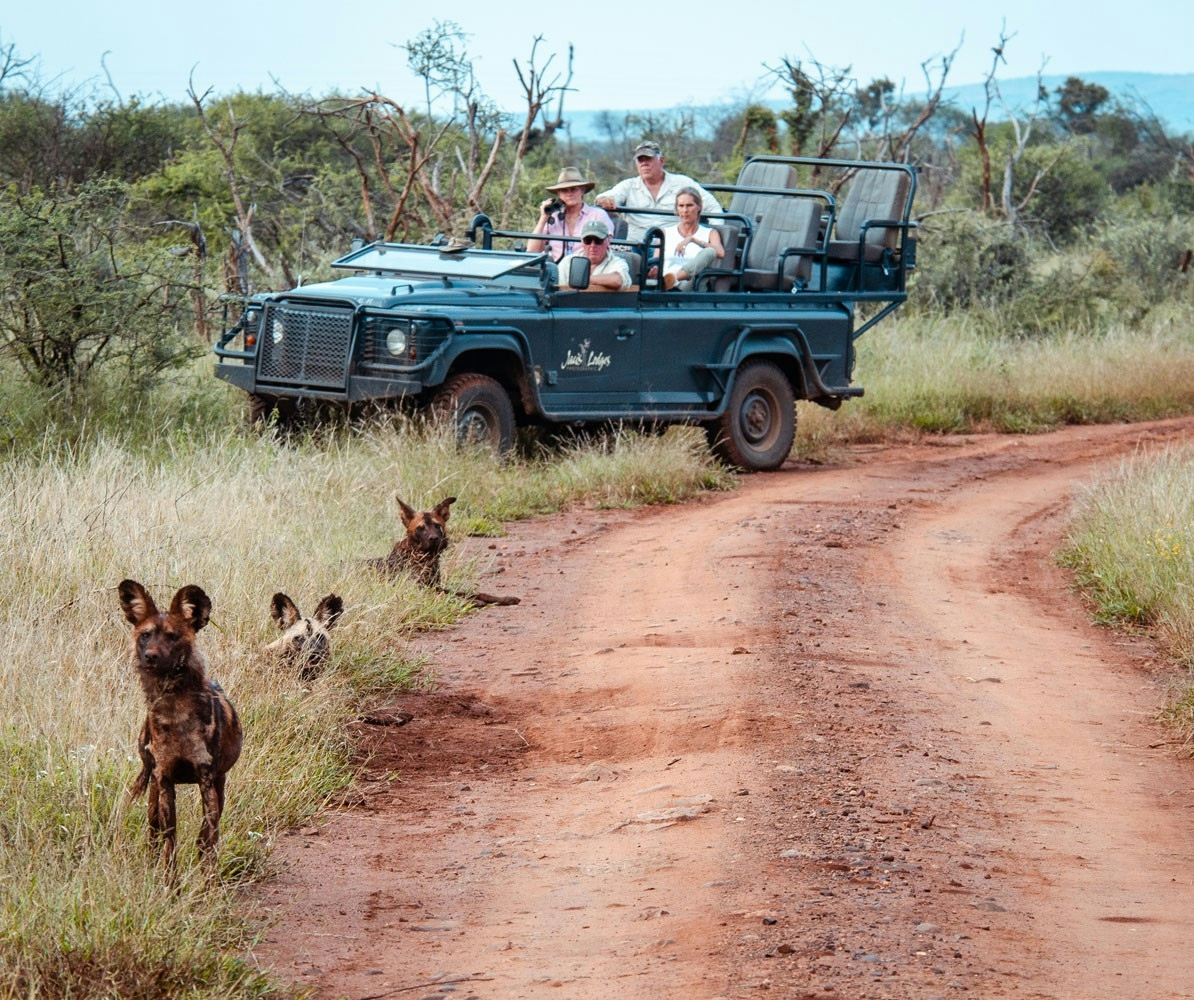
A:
606, 202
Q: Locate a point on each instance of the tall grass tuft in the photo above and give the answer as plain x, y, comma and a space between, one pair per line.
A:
1131, 547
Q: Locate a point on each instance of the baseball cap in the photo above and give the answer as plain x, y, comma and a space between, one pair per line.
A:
595, 227
648, 147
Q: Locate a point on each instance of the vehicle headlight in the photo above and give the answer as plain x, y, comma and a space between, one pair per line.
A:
277, 330
397, 340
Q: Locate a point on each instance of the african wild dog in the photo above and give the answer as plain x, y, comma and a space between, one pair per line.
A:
419, 551
305, 642
191, 734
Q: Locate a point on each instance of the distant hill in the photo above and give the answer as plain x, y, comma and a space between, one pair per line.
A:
1169, 96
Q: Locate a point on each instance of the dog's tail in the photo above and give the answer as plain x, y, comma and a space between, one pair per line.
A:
481, 600
141, 783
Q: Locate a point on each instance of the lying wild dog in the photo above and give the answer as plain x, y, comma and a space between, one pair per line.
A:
305, 642
419, 551
191, 734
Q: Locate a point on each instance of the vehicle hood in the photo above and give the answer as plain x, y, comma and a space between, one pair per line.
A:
399, 293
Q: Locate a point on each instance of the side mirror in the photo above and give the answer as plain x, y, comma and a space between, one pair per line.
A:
578, 273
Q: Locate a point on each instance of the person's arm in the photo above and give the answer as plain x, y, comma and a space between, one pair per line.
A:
708, 202
715, 243
536, 246
609, 200
612, 279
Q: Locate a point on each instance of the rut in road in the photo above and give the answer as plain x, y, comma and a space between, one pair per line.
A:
841, 733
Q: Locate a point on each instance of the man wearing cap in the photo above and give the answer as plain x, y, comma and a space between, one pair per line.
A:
570, 189
608, 272
654, 188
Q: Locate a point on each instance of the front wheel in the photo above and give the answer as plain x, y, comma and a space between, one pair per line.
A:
758, 426
480, 409
262, 410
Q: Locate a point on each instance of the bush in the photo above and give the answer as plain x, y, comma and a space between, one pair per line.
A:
968, 261
82, 289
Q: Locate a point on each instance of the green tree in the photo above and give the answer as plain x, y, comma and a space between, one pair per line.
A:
1079, 104
80, 288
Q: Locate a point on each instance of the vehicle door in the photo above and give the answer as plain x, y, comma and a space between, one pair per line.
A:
683, 335
594, 365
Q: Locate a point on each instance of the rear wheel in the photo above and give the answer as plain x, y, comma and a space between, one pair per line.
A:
480, 409
758, 427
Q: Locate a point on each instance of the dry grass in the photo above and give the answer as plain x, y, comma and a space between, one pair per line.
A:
241, 517
925, 375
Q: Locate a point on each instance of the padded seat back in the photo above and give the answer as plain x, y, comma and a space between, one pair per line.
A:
634, 261
787, 224
728, 265
874, 195
756, 173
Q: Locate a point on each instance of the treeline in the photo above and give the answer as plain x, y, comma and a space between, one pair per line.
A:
122, 221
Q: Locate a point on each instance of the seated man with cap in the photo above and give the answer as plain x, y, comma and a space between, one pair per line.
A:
654, 187
608, 272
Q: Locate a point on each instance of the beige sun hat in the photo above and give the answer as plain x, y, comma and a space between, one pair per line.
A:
570, 177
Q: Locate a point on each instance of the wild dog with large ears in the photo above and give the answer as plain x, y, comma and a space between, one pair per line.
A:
191, 734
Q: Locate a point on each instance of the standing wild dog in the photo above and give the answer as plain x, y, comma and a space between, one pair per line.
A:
305, 642
191, 734
419, 551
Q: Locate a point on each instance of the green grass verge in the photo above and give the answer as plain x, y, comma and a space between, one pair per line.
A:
1130, 546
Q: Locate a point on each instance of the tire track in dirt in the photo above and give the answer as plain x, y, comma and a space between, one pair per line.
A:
758, 741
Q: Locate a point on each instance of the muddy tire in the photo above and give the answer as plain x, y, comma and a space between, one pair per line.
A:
758, 427
480, 408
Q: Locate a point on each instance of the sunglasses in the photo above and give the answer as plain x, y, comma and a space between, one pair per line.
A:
591, 241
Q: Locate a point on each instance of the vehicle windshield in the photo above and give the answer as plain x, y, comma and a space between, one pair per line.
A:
433, 262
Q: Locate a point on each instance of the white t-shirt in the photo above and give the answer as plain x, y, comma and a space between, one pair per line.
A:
632, 193
671, 237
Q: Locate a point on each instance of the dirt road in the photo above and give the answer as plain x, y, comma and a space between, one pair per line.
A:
842, 733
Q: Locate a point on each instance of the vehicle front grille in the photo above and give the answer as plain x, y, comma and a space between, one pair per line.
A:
305, 344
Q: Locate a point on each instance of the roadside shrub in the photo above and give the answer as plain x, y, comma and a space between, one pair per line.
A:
1070, 195
80, 289
1131, 546
968, 261
1139, 261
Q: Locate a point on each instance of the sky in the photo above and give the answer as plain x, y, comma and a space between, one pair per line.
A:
701, 55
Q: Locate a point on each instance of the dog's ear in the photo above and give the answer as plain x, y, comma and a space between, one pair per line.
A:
441, 509
328, 611
192, 604
407, 511
135, 601
283, 611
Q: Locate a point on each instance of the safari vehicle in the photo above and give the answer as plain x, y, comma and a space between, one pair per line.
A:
484, 334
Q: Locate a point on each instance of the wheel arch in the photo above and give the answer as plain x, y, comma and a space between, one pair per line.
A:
506, 367
779, 354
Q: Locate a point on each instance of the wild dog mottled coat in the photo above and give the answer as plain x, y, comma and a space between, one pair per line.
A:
418, 551
191, 733
305, 642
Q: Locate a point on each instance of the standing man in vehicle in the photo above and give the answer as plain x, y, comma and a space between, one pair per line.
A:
653, 188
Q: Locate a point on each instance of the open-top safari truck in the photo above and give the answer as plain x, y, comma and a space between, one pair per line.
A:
818, 251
